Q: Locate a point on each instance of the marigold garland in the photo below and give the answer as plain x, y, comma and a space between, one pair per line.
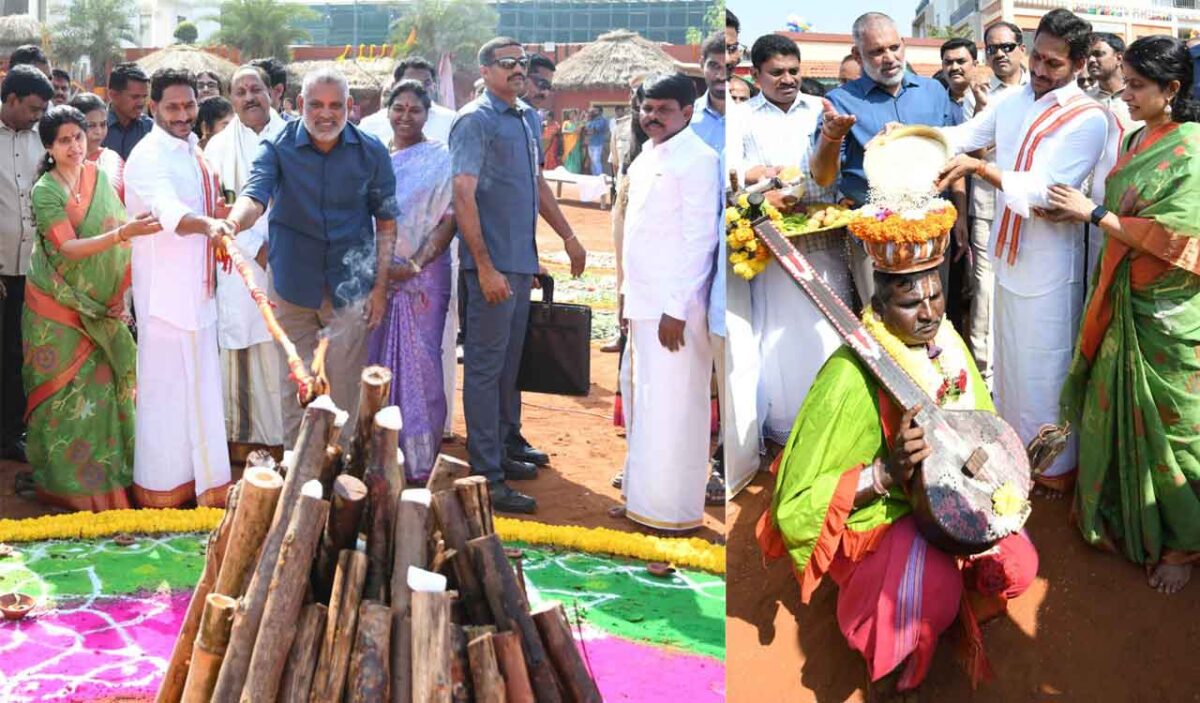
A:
894, 228
690, 552
747, 255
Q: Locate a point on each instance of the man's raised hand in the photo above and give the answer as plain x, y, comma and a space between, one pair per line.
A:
834, 126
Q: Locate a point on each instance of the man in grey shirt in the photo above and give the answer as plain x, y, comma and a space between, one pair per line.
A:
26, 92
495, 147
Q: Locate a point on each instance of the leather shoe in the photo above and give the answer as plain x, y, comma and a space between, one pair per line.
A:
506, 500
518, 470
520, 450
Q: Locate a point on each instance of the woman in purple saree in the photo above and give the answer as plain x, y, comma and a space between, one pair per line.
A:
409, 342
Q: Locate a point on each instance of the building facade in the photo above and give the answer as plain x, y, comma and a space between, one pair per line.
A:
341, 22
1129, 19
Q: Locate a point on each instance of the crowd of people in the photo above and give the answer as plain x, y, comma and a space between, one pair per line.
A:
1069, 295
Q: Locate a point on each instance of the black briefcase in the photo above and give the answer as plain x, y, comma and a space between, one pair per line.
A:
557, 355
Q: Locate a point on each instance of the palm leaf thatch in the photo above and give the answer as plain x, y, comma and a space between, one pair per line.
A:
188, 57
612, 61
365, 78
18, 30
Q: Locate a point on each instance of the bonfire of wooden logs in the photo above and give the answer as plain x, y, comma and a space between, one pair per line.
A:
328, 580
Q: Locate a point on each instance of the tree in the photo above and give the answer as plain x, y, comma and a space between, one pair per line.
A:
95, 29
261, 28
436, 27
186, 33
714, 21
964, 32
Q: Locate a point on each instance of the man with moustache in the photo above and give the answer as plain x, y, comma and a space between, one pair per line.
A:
1058, 135
128, 123
540, 84
277, 76
250, 361
62, 86
665, 302
437, 127
854, 113
180, 454
495, 149
958, 63
1104, 67
331, 194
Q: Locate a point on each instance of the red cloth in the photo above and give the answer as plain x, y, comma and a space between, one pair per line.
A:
895, 602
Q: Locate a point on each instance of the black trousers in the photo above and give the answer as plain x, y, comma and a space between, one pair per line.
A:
12, 357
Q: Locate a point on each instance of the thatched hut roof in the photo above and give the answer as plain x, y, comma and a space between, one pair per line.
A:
189, 57
17, 30
611, 61
360, 75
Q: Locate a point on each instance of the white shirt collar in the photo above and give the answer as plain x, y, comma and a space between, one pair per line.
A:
173, 142
803, 102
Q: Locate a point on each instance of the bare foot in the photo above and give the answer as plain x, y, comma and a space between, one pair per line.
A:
1170, 578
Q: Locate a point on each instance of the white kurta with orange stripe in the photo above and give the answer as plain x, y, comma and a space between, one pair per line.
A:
1039, 265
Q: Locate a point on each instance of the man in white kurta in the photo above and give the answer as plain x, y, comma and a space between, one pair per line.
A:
1059, 137
670, 238
794, 339
179, 452
250, 359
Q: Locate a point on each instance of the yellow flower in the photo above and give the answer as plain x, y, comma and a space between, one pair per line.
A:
751, 246
738, 257
743, 201
1007, 500
731, 215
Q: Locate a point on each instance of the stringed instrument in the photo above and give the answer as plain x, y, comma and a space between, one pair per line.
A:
974, 453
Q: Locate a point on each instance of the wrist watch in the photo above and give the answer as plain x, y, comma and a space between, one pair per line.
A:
1098, 214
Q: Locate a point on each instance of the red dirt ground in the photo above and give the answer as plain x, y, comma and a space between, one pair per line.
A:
1088, 630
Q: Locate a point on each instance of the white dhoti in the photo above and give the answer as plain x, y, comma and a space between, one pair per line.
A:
668, 422
982, 303
251, 376
795, 340
1035, 339
179, 445
737, 374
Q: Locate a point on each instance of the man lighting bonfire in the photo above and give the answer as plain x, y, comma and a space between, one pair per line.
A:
842, 504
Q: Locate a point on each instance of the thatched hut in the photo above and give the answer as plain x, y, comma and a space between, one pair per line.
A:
600, 73
367, 79
189, 57
15, 31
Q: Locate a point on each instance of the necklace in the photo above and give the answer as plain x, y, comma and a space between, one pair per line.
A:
72, 188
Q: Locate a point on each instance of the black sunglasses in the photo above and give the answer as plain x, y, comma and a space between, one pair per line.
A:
1008, 48
508, 63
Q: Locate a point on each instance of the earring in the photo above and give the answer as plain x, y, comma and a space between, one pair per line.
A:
1167, 109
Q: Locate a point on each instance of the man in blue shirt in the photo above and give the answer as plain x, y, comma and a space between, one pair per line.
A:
857, 111
128, 89
495, 149
332, 231
597, 136
1194, 49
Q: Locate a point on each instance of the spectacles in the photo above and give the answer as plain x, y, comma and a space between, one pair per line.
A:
207, 84
542, 84
508, 63
1008, 48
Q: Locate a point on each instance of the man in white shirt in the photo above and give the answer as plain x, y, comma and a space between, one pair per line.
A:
1006, 56
1104, 67
1045, 133
437, 127
26, 93
670, 237
793, 337
249, 358
180, 453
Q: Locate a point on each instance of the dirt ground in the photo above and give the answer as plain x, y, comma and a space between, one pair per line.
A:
1088, 630
585, 449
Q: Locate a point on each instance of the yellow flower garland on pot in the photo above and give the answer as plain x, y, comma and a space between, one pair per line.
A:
747, 255
690, 552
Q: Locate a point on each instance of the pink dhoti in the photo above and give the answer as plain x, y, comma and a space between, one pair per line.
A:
895, 602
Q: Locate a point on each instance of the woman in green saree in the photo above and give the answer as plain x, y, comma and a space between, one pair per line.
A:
572, 136
79, 354
1134, 387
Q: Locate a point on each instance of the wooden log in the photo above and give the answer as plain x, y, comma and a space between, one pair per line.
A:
411, 548
577, 682
511, 612
446, 470
385, 481
516, 557
371, 656
330, 678
485, 671
316, 428
374, 389
473, 500
401, 689
332, 466
449, 513
431, 655
261, 487
302, 660
460, 670
171, 688
511, 659
345, 515
285, 596
211, 640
